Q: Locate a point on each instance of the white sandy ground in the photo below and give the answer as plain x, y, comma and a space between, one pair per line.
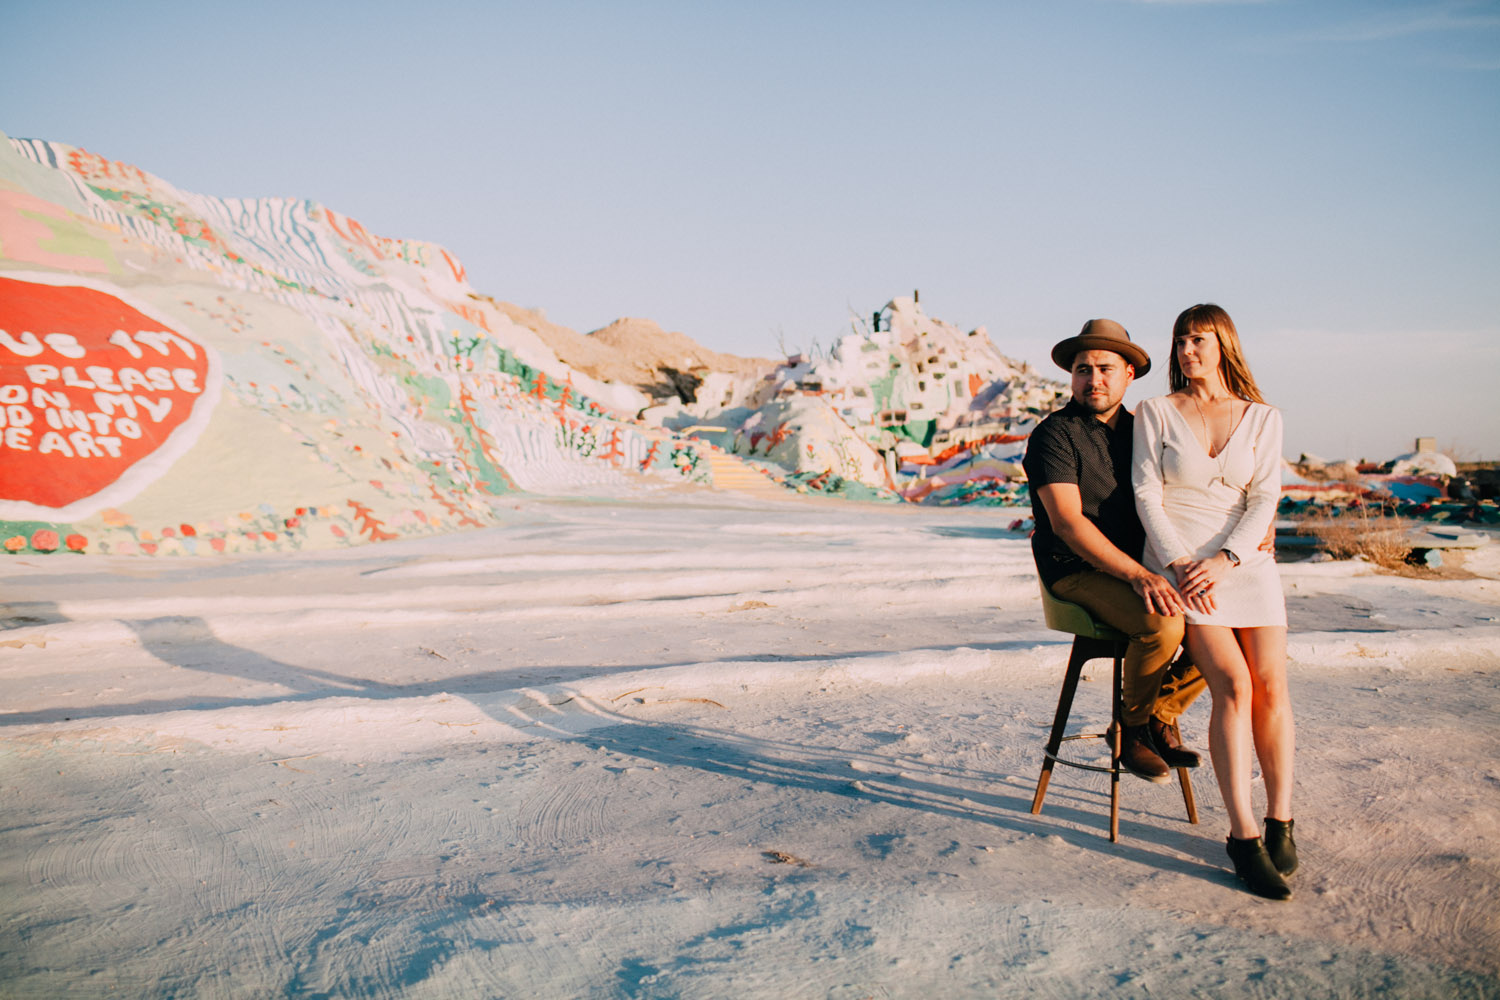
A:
684, 745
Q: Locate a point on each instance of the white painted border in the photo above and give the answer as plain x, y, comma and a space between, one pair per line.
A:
150, 468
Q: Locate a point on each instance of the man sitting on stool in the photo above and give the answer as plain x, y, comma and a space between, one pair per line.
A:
1088, 542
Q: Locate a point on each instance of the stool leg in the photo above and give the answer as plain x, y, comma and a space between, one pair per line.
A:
1076, 660
1187, 795
1116, 738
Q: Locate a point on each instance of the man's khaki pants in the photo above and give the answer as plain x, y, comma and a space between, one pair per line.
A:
1151, 683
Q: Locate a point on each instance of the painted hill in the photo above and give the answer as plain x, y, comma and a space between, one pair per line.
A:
182, 373
185, 374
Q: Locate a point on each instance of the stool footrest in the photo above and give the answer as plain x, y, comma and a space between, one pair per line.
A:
1078, 763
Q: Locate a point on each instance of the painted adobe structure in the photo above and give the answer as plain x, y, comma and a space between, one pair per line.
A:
904, 402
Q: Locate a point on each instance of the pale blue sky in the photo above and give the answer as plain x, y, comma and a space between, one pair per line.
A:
1327, 170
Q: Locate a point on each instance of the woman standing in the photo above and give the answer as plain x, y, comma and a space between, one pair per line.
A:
1207, 479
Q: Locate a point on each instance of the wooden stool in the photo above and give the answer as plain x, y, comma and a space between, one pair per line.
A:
1093, 640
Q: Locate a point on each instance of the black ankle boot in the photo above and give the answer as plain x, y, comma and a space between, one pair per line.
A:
1254, 867
1280, 845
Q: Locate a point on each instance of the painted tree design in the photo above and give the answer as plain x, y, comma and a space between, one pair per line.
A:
780, 434
483, 438
369, 524
453, 509
614, 453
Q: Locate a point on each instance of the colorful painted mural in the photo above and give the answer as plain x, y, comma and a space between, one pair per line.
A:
97, 398
182, 374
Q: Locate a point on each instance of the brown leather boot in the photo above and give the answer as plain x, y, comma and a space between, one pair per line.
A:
1138, 755
1168, 742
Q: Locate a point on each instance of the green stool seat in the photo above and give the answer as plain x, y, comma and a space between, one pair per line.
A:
1065, 616
1092, 640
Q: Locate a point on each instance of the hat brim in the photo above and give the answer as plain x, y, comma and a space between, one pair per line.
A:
1064, 353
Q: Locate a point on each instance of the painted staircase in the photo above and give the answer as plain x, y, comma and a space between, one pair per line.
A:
732, 473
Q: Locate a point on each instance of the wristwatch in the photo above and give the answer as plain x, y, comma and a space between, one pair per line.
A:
1234, 560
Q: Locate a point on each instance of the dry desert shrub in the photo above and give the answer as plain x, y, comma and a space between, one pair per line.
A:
1383, 540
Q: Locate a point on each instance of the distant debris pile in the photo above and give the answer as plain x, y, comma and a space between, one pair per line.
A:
1424, 460
1423, 484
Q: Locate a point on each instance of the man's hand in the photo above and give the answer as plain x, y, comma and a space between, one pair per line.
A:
1065, 508
1157, 591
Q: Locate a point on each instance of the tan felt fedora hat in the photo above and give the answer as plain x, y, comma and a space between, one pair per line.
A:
1102, 335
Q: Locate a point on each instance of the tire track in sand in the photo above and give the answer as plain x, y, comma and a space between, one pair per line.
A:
566, 814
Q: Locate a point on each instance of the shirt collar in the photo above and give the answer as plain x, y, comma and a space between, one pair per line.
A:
1077, 412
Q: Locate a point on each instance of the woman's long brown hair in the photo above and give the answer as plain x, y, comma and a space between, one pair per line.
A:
1232, 367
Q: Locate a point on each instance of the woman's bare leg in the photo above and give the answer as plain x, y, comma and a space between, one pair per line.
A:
1230, 739
1271, 714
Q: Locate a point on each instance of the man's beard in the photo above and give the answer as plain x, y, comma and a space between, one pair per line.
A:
1094, 404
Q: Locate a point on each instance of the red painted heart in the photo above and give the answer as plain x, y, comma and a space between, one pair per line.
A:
98, 396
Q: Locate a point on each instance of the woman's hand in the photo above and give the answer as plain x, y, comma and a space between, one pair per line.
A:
1194, 585
1195, 579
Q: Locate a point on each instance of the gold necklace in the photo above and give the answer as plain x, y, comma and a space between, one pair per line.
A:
1208, 440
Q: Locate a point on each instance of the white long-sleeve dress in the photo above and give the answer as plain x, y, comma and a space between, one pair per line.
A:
1193, 504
